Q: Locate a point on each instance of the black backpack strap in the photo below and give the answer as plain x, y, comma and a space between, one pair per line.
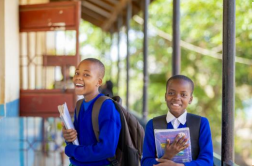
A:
160, 122
78, 105
95, 121
193, 122
95, 115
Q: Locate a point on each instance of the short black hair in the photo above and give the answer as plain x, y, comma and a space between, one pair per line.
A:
183, 78
99, 63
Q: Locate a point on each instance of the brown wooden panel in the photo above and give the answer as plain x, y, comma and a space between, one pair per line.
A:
53, 60
43, 103
49, 16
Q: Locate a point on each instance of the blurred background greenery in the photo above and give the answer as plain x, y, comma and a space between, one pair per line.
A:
201, 50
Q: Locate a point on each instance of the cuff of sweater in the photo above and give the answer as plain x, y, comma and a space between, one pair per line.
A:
188, 164
155, 162
69, 150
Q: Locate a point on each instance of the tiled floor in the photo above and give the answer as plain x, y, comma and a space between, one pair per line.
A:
31, 142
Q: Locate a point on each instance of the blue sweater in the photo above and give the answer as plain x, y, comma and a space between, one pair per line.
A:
91, 152
205, 157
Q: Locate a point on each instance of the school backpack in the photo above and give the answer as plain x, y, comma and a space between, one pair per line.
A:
130, 144
192, 121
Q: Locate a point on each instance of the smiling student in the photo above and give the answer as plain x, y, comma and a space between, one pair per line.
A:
178, 96
87, 79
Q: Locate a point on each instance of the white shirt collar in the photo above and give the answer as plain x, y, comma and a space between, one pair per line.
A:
182, 118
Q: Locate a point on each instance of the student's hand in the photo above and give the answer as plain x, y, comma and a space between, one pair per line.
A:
69, 134
166, 162
179, 144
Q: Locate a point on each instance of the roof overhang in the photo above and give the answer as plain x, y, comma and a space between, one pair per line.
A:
105, 13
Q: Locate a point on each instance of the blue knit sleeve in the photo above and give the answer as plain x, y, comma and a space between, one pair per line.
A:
205, 157
148, 158
109, 126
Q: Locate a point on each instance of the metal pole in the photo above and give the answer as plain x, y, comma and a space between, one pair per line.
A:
110, 56
145, 51
176, 56
129, 10
118, 52
228, 93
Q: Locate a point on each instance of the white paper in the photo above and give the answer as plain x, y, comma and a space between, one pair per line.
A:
66, 118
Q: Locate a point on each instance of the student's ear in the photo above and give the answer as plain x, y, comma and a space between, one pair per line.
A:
99, 82
190, 99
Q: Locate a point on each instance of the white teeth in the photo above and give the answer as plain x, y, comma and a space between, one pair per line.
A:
79, 84
176, 105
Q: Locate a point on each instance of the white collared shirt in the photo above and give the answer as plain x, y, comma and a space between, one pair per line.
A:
176, 121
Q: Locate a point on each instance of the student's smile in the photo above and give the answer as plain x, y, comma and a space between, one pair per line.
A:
176, 105
86, 80
79, 85
178, 96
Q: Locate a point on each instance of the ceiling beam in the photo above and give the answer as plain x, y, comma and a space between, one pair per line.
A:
115, 12
92, 14
113, 1
96, 9
91, 20
102, 4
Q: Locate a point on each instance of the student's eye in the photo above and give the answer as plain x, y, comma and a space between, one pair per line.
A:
170, 93
86, 75
184, 95
76, 73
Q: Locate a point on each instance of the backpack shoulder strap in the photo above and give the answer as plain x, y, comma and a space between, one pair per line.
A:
160, 122
193, 122
78, 105
95, 121
95, 115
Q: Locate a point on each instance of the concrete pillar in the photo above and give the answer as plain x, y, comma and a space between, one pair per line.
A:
9, 58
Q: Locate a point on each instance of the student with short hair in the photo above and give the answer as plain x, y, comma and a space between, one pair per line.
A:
178, 96
87, 80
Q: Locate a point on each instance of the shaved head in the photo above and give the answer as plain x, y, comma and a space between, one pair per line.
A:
182, 77
98, 63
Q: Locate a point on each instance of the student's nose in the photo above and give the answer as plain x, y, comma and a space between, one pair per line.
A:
78, 77
177, 96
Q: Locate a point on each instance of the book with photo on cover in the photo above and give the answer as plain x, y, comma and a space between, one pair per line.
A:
161, 136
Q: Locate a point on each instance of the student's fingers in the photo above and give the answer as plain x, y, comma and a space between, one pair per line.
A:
176, 140
184, 147
161, 160
63, 125
71, 131
71, 139
168, 143
164, 162
184, 142
69, 134
181, 140
68, 131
